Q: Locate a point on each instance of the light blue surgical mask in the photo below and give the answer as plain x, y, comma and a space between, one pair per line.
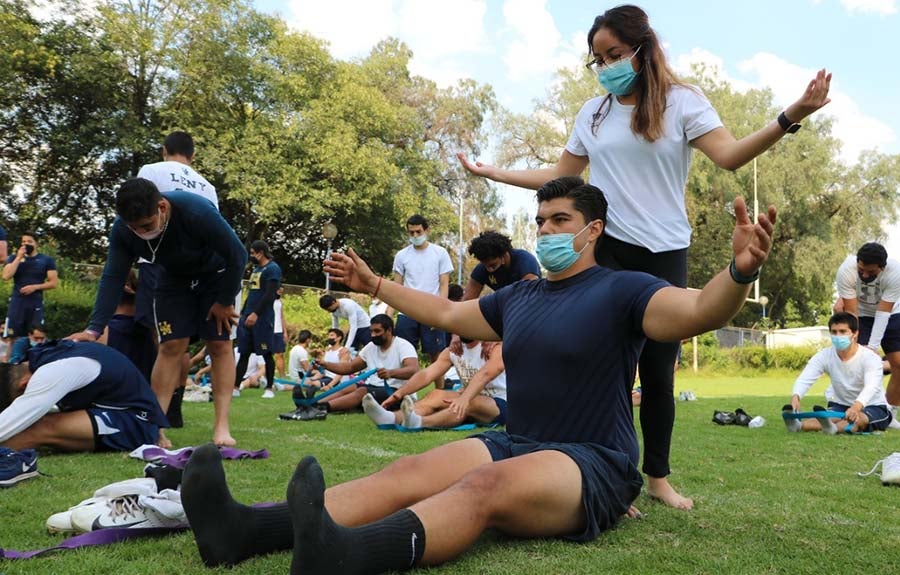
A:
418, 240
618, 78
556, 252
841, 342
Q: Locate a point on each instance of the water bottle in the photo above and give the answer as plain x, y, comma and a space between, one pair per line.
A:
757, 421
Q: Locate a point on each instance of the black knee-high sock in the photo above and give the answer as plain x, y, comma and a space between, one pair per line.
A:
270, 370
322, 547
241, 369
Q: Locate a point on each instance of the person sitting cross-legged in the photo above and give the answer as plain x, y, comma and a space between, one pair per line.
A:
856, 387
482, 399
561, 470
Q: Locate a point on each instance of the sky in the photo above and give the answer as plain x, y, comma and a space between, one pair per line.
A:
517, 45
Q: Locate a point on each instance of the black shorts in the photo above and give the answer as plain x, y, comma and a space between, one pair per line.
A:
181, 304
278, 342
609, 480
891, 340
433, 340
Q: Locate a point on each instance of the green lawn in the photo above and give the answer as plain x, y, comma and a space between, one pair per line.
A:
766, 501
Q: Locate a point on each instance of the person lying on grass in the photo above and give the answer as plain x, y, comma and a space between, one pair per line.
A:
856, 388
558, 471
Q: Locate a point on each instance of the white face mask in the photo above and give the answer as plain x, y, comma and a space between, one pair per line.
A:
155, 233
418, 240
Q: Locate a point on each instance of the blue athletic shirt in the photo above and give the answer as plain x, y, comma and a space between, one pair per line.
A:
260, 277
2, 234
571, 348
521, 263
119, 386
32, 270
197, 242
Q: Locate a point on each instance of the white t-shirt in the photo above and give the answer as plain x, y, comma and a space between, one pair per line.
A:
857, 379
333, 356
254, 364
885, 287
643, 181
354, 314
377, 308
175, 176
392, 358
295, 366
421, 269
470, 363
276, 306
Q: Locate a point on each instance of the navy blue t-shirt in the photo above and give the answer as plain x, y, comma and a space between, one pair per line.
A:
2, 234
119, 386
521, 263
259, 280
571, 349
32, 270
197, 242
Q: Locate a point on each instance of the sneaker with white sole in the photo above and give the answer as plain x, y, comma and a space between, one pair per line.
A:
119, 512
16, 466
890, 469
235, 392
62, 522
268, 394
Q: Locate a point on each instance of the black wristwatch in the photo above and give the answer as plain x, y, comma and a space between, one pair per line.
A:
787, 125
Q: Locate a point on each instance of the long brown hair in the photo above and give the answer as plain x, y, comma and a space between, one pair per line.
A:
631, 26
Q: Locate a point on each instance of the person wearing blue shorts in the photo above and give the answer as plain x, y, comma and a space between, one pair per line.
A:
201, 261
565, 467
856, 389
426, 267
256, 328
32, 273
105, 404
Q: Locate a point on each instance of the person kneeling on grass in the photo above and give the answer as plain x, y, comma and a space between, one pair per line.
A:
558, 471
856, 374
105, 404
482, 399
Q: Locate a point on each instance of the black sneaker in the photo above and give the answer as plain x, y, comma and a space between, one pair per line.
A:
741, 417
723, 418
306, 413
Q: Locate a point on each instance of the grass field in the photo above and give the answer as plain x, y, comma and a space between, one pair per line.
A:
766, 501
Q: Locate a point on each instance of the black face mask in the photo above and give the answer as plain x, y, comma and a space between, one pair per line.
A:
465, 339
29, 249
254, 260
331, 341
378, 340
867, 279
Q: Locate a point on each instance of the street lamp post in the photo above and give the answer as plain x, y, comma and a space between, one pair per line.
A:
763, 301
329, 232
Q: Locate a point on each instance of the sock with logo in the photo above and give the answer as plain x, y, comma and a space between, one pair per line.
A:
322, 547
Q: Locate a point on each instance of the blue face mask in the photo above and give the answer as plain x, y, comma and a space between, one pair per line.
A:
618, 78
841, 342
556, 252
418, 240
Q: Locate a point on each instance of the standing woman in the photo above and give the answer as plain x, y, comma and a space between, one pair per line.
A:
638, 141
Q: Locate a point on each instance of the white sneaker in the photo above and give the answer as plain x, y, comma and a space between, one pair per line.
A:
890, 469
895, 423
268, 394
279, 386
235, 392
62, 522
119, 512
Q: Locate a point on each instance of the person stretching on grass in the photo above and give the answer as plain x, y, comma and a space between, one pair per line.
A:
560, 470
482, 399
856, 375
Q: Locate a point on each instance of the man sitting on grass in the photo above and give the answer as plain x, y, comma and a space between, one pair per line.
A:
567, 466
482, 399
856, 375
105, 404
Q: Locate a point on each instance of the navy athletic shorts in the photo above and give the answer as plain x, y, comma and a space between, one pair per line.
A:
258, 338
891, 340
879, 415
609, 480
121, 430
181, 304
278, 342
22, 315
433, 340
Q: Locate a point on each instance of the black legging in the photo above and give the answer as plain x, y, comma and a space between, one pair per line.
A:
656, 366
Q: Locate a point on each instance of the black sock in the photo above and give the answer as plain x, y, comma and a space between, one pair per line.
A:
321, 546
166, 476
270, 370
227, 532
241, 369
173, 414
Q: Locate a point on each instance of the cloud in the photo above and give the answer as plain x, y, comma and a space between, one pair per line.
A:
440, 34
534, 45
883, 7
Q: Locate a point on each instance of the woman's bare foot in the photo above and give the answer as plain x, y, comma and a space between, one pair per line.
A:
660, 489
